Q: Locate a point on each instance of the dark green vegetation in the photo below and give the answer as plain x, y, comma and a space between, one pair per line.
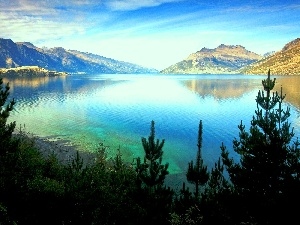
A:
262, 187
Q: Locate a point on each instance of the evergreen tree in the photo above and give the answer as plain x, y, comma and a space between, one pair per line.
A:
183, 200
7, 161
216, 200
217, 183
5, 129
188, 209
197, 174
156, 198
268, 168
151, 173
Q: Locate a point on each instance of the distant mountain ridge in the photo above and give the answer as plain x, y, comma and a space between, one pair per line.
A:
225, 59
59, 59
284, 62
221, 60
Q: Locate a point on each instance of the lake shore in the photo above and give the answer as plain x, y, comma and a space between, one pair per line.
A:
30, 71
64, 150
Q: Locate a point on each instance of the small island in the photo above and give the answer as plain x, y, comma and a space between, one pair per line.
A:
30, 71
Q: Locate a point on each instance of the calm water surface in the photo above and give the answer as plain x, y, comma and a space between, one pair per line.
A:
118, 109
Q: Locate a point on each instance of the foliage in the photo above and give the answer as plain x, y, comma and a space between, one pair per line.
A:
4, 217
191, 216
150, 177
262, 187
151, 173
217, 198
268, 169
6, 129
197, 174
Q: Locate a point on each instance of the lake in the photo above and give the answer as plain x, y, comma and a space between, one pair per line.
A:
117, 110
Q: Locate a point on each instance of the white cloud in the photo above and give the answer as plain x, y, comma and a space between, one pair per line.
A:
35, 21
263, 8
35, 29
26, 7
123, 5
158, 41
40, 7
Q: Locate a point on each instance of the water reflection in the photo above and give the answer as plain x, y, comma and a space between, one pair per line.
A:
235, 88
31, 82
290, 87
119, 108
222, 88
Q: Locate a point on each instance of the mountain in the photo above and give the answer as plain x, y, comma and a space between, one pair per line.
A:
59, 59
283, 62
222, 60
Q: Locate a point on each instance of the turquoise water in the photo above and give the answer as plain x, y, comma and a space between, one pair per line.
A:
117, 110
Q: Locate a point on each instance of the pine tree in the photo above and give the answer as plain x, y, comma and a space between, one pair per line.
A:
6, 129
267, 157
151, 173
197, 174
217, 183
217, 198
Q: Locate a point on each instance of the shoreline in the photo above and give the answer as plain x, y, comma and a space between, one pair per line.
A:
65, 152
63, 149
30, 71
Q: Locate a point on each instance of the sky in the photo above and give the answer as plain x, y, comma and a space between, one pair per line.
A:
151, 33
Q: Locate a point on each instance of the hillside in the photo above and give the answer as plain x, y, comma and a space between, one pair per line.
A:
284, 62
222, 60
18, 54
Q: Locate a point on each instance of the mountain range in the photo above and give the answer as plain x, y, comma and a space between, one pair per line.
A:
225, 59
18, 54
221, 60
235, 59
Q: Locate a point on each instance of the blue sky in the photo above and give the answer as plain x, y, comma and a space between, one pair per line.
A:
151, 33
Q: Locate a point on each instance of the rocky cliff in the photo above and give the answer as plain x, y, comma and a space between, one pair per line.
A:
225, 59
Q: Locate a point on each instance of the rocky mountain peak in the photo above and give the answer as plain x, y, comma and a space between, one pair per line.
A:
225, 51
205, 50
57, 50
223, 46
6, 41
220, 60
292, 44
28, 44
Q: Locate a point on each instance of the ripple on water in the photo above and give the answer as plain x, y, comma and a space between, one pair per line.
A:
119, 111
